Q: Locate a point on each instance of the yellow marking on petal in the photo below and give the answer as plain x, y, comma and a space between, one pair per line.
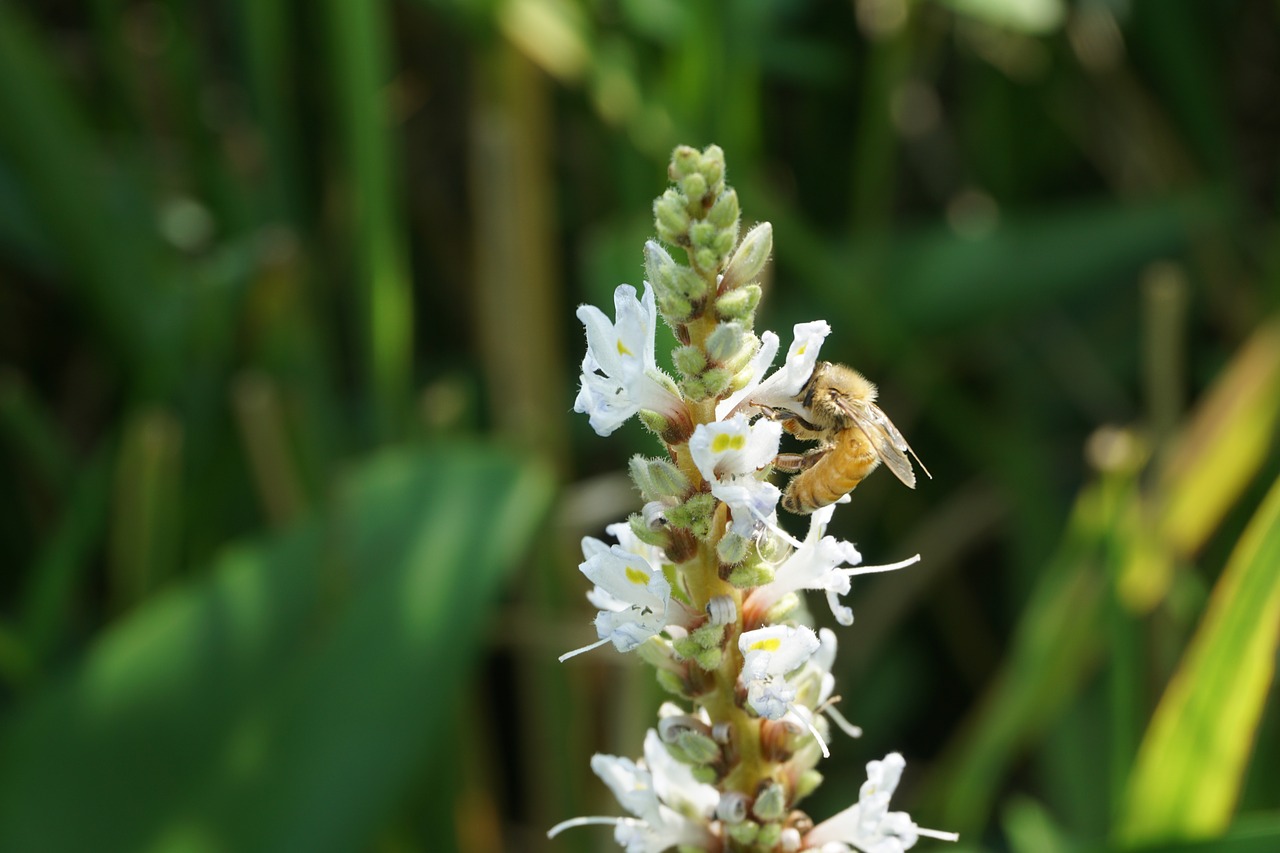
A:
724, 441
622, 349
769, 645
636, 576
803, 347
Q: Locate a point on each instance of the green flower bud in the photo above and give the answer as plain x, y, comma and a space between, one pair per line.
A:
702, 234
706, 259
770, 835
684, 160
743, 833
732, 549
693, 388
695, 514
689, 360
675, 308
700, 748
724, 241
783, 608
709, 659
712, 166
657, 478
724, 213
655, 422
671, 218
646, 534
738, 304
724, 342
694, 187
686, 647
751, 575
716, 381
807, 783
707, 776
709, 636
771, 803
749, 260
742, 357
672, 683
657, 652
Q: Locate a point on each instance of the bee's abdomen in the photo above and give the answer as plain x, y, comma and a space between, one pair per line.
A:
848, 460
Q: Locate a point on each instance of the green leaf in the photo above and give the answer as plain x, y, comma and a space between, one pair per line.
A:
283, 702
1253, 834
1193, 758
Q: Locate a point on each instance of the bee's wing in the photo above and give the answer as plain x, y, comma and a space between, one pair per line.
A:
889, 444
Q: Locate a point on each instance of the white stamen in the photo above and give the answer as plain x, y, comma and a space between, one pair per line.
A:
585, 821
597, 644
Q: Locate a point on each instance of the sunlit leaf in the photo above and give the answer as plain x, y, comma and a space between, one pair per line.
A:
1193, 758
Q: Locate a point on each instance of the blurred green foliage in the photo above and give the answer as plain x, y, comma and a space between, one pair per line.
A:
287, 351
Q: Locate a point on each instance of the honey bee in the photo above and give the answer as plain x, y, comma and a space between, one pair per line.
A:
854, 436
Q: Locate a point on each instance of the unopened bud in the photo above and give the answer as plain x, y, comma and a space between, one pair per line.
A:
694, 514
686, 647
732, 548
742, 358
789, 840
675, 308
709, 636
744, 833
769, 835
749, 260
657, 478
751, 575
645, 532
724, 241
684, 160
724, 213
783, 608
702, 234
706, 259
657, 652
739, 303
709, 659
671, 218
713, 166
694, 186
807, 783
771, 803
716, 381
699, 747
689, 360
724, 342
694, 388
672, 683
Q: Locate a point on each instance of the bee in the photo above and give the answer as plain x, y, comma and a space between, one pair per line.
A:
854, 436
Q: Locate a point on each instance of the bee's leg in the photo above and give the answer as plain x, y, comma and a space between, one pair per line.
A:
798, 461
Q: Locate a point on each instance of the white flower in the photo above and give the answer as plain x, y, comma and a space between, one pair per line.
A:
730, 455
868, 825
815, 684
671, 807
784, 384
821, 563
620, 375
633, 596
768, 656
